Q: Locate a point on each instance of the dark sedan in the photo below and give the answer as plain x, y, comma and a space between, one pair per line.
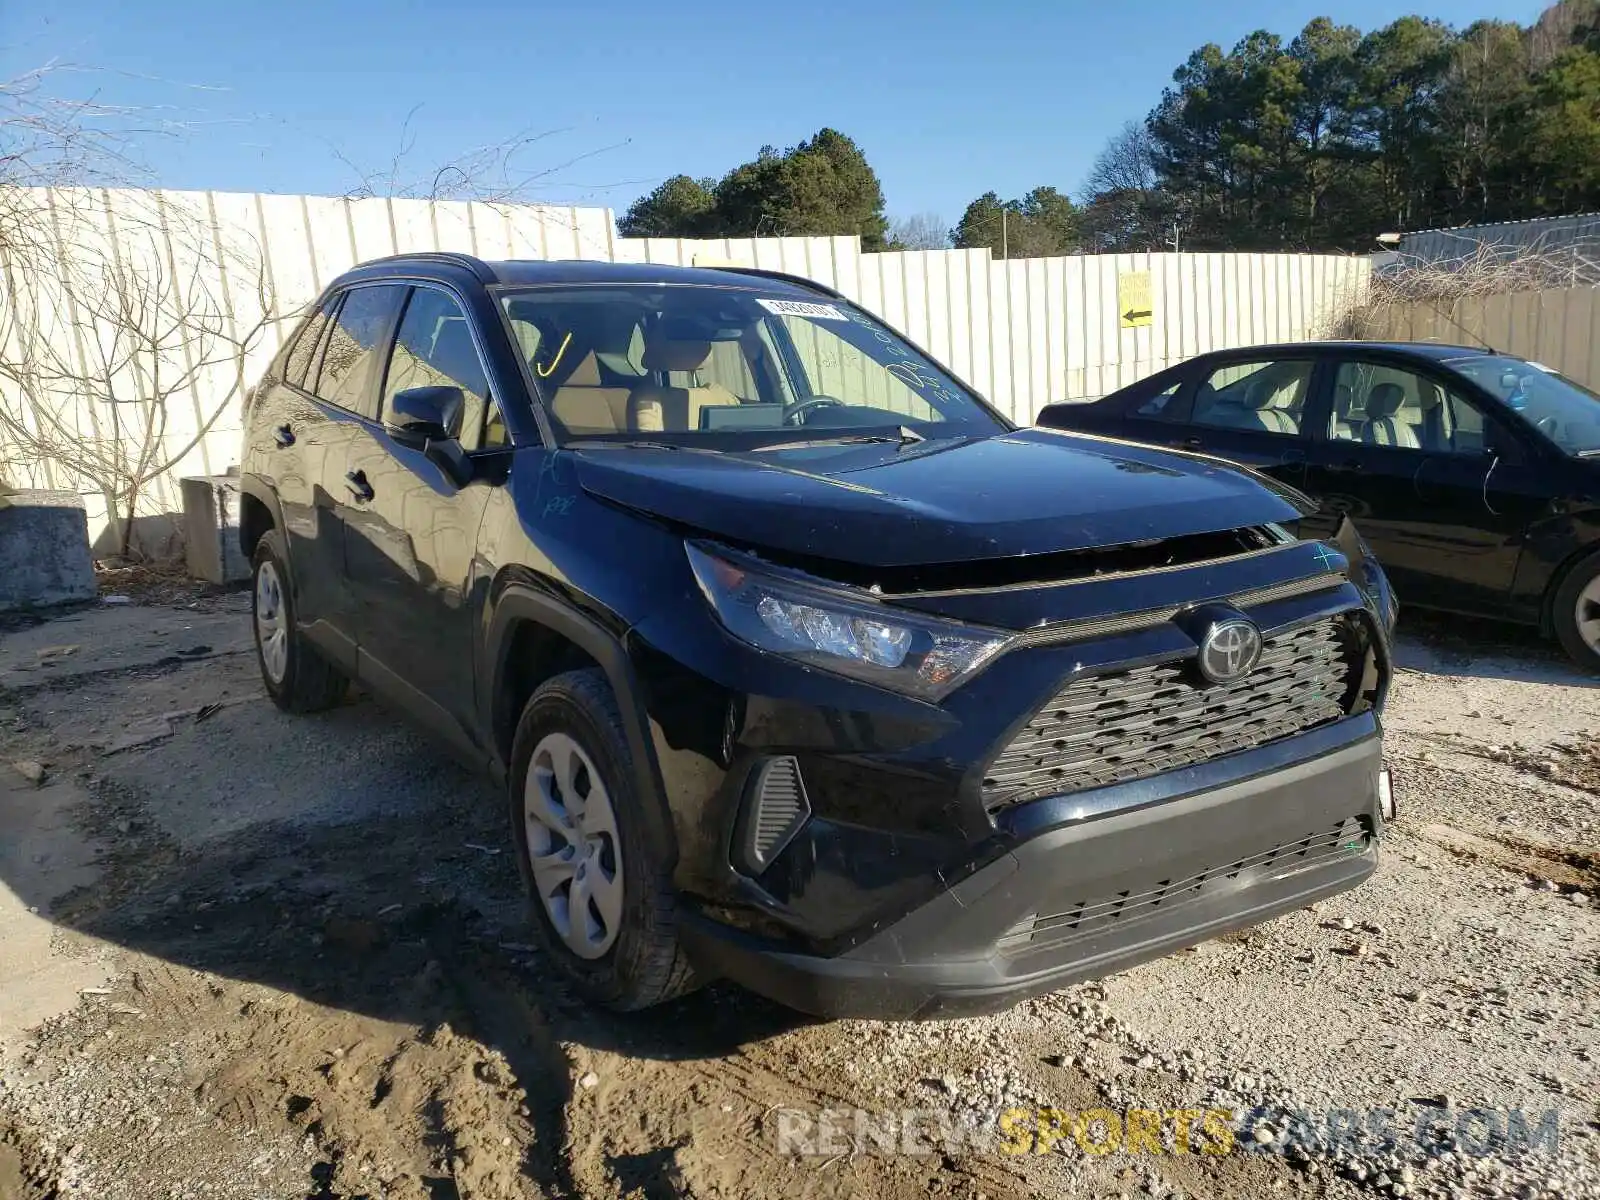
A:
1474, 475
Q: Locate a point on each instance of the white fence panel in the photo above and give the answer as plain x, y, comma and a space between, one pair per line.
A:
1025, 333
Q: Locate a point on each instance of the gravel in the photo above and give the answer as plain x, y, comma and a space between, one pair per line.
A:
368, 1015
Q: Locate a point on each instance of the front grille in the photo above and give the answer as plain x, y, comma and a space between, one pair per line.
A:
1131, 724
1085, 918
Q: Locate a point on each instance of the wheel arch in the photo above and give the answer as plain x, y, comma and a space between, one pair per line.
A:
259, 511
1558, 579
533, 636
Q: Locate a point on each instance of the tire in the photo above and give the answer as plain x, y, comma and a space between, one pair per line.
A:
296, 676
1579, 632
632, 960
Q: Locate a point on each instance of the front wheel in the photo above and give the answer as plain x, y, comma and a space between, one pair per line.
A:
1576, 612
601, 893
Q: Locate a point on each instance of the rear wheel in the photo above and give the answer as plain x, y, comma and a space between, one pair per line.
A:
1576, 612
296, 677
601, 893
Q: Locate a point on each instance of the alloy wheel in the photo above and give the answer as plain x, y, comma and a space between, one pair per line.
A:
1586, 614
573, 847
272, 630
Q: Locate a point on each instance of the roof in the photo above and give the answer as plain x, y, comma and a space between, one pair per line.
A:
533, 272
1576, 235
1437, 351
1491, 225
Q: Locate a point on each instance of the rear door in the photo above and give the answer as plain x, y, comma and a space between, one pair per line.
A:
342, 383
1438, 485
287, 450
331, 376
411, 543
1258, 411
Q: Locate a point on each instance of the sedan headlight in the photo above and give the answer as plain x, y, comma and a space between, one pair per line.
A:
848, 634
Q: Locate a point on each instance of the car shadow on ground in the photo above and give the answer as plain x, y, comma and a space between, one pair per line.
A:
370, 877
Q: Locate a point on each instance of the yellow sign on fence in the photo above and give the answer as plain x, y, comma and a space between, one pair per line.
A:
1133, 299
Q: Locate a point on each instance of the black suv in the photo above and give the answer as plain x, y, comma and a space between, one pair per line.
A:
801, 665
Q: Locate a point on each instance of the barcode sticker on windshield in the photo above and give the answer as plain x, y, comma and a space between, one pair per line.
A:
801, 308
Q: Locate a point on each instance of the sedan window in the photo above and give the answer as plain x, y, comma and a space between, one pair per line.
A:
1161, 406
1263, 397
1565, 412
1381, 405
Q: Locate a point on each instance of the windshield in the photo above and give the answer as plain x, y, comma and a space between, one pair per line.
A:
1565, 412
710, 366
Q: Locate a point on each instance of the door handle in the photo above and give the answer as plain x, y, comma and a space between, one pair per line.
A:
1192, 443
284, 436
1350, 466
356, 481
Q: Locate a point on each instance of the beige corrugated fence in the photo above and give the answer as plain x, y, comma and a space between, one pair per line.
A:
1025, 332
1559, 328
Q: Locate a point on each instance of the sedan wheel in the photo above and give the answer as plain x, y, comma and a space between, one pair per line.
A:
573, 847
1586, 614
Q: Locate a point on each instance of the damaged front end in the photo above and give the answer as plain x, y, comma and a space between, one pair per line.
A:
895, 741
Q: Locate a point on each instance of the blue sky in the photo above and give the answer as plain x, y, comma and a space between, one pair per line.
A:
948, 100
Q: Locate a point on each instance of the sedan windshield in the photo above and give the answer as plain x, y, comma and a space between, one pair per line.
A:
729, 366
1565, 412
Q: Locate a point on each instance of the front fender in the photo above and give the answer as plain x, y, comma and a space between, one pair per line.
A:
520, 603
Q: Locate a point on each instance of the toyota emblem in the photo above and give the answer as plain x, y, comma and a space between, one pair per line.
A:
1229, 650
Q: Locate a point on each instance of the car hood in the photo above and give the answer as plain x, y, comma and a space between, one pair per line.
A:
953, 500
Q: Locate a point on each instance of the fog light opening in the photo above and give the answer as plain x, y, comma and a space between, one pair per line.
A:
775, 807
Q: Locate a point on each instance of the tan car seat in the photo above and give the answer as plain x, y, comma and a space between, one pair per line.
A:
1382, 427
583, 404
1261, 400
654, 408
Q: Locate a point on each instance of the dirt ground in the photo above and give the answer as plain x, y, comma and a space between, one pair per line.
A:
244, 956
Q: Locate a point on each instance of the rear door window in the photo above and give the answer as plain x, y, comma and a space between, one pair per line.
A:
1259, 397
354, 355
303, 354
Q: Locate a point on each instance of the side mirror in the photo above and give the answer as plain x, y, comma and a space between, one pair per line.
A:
421, 415
429, 419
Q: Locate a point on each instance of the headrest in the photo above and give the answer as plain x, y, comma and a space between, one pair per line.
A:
1260, 393
664, 355
1385, 400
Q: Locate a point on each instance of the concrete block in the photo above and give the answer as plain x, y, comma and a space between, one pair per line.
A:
211, 528
44, 550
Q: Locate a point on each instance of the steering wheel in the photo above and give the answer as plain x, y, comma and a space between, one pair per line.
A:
795, 413
1548, 426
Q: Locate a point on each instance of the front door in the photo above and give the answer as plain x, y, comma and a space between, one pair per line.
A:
1440, 489
410, 543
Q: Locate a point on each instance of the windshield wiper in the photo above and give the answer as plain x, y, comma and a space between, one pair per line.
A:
633, 443
903, 436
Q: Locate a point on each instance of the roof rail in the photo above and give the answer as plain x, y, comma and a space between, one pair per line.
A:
784, 276
453, 257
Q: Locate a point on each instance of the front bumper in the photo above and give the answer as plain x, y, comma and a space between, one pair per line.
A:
1086, 899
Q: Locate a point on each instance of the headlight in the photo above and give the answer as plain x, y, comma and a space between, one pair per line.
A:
852, 636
